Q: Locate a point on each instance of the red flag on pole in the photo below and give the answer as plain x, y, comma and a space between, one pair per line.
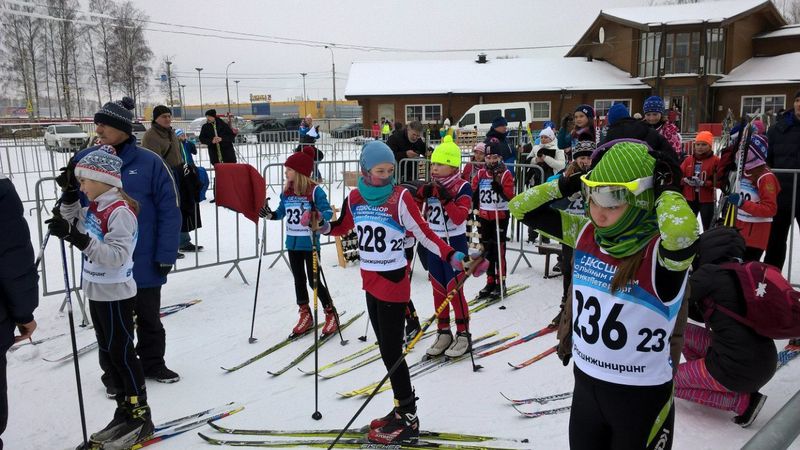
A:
241, 188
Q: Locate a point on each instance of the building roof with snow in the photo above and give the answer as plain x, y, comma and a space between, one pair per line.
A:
644, 17
784, 31
496, 75
780, 69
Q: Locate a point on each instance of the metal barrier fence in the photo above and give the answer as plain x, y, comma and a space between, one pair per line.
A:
781, 430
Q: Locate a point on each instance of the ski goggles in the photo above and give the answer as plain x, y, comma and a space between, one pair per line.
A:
610, 194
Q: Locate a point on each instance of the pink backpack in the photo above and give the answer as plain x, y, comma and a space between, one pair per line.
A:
773, 306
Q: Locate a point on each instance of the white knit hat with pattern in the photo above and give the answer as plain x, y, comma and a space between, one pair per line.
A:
101, 165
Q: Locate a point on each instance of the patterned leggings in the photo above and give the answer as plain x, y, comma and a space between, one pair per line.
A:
694, 383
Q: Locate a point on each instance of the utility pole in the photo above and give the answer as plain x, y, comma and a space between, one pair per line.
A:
200, 83
237, 97
305, 113
228, 90
169, 83
333, 74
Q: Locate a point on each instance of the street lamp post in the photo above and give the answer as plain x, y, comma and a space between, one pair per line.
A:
180, 98
333, 74
305, 112
200, 84
237, 97
228, 90
169, 83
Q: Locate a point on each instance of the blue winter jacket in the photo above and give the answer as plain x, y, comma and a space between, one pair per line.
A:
297, 203
147, 179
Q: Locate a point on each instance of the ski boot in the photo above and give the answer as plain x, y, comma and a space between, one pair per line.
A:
331, 321
412, 327
753, 408
443, 340
134, 425
459, 346
305, 322
120, 415
162, 374
496, 291
487, 291
401, 428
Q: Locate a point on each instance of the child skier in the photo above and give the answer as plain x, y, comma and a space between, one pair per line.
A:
698, 178
105, 232
448, 199
471, 168
727, 363
300, 195
381, 213
632, 252
492, 187
654, 116
576, 127
756, 199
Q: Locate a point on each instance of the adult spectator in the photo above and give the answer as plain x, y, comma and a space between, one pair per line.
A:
161, 138
405, 143
784, 153
622, 125
147, 179
19, 289
499, 131
218, 137
654, 116
308, 133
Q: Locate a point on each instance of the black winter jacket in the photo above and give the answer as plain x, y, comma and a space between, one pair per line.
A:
631, 128
507, 153
19, 289
784, 153
225, 146
399, 143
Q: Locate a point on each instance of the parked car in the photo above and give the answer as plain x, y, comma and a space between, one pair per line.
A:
347, 131
138, 131
271, 129
480, 116
65, 138
193, 130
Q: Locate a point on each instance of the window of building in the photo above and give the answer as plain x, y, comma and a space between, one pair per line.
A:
602, 106
424, 113
648, 54
682, 53
753, 105
488, 115
540, 111
715, 50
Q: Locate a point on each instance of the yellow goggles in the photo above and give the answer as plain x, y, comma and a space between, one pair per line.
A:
610, 194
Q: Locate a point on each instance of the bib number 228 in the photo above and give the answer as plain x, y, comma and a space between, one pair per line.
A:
373, 239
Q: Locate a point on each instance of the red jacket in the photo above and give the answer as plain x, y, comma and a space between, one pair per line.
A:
756, 234
706, 171
506, 181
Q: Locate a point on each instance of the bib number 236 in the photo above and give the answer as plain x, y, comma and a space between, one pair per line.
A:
611, 332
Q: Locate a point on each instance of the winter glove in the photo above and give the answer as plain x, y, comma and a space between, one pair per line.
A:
563, 356
566, 121
61, 228
66, 179
312, 218
163, 269
497, 187
481, 264
325, 228
266, 212
569, 185
736, 199
456, 261
667, 173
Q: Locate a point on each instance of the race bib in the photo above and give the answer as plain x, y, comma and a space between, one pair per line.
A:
380, 238
488, 198
440, 222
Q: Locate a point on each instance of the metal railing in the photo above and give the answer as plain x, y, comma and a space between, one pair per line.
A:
781, 430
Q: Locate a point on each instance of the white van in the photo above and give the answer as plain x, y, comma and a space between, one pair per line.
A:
482, 115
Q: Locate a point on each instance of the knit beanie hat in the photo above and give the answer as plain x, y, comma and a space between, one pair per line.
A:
499, 122
705, 136
617, 112
493, 147
479, 147
101, 165
211, 112
756, 152
627, 161
374, 153
179, 132
117, 115
586, 109
654, 104
159, 110
301, 163
797, 94
447, 153
549, 133
583, 148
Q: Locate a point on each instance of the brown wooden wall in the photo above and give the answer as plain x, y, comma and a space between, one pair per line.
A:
739, 39
776, 46
731, 97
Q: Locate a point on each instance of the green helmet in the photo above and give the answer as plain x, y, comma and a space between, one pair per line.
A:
447, 153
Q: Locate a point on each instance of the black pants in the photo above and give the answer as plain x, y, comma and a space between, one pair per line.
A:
706, 211
776, 248
490, 246
752, 254
298, 259
3, 382
619, 417
113, 327
388, 319
227, 151
150, 335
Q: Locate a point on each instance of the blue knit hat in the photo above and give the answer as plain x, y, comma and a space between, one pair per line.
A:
586, 109
616, 113
101, 165
654, 104
499, 122
374, 153
117, 115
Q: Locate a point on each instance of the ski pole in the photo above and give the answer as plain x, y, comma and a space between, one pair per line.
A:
744, 141
251, 339
74, 343
219, 149
45, 240
315, 270
499, 255
473, 264
342, 340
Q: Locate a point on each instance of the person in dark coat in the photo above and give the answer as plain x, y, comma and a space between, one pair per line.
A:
728, 362
219, 141
499, 131
19, 288
147, 179
784, 153
622, 125
405, 143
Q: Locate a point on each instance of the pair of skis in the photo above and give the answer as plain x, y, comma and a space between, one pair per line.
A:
541, 401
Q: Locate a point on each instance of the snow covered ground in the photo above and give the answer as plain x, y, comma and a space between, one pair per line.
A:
44, 407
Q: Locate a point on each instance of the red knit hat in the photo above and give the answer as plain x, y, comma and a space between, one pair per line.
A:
301, 163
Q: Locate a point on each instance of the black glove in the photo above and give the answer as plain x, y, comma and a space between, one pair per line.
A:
61, 228
571, 184
266, 212
440, 192
163, 269
497, 187
667, 173
563, 356
566, 121
66, 179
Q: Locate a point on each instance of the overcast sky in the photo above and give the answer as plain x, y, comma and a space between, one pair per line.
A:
269, 68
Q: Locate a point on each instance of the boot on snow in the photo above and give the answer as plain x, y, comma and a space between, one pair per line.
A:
401, 428
459, 346
412, 328
753, 408
305, 322
331, 321
487, 291
443, 340
134, 426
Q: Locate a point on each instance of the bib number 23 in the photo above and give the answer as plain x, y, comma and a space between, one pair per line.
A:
612, 332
